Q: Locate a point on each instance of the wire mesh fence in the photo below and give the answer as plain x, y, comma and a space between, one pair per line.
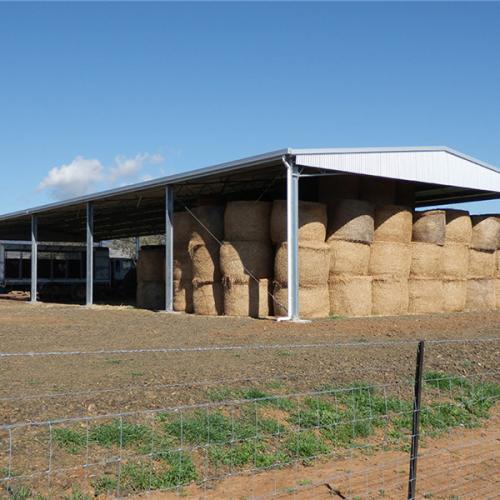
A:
343, 428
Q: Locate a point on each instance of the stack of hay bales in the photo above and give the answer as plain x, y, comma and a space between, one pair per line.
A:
313, 259
246, 259
182, 272
497, 279
349, 235
456, 259
151, 277
481, 295
390, 259
426, 270
206, 233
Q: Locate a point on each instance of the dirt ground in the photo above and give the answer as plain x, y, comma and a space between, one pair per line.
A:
250, 352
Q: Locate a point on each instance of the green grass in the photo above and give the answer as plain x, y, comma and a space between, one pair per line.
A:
306, 445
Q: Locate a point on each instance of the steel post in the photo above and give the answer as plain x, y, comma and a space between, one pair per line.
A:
169, 249
34, 258
90, 255
293, 240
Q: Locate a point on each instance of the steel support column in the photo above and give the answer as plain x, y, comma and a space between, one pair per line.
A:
34, 258
90, 255
169, 249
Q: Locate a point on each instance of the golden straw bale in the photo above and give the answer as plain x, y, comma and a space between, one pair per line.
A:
429, 227
350, 295
182, 264
454, 295
426, 260
348, 257
389, 296
389, 258
208, 299
481, 295
482, 264
458, 226
247, 221
455, 261
183, 296
314, 302
182, 226
351, 220
314, 263
425, 296
312, 221
207, 225
205, 261
393, 223
240, 260
485, 232
247, 299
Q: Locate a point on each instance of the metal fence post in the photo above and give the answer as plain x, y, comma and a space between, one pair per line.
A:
412, 479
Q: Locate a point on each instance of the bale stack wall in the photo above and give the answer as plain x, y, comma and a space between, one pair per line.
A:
349, 236
182, 272
246, 259
206, 234
151, 278
390, 259
313, 260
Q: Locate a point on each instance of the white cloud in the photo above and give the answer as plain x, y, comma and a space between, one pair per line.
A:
82, 175
75, 179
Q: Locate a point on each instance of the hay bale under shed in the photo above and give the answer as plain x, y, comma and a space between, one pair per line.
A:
378, 190
151, 263
314, 263
454, 295
485, 232
482, 264
351, 220
497, 292
247, 299
240, 260
208, 299
429, 227
348, 257
182, 226
388, 258
389, 296
481, 295
183, 296
497, 274
314, 302
337, 187
247, 221
455, 261
207, 225
393, 223
312, 221
350, 295
182, 264
458, 226
425, 296
205, 261
426, 260
150, 295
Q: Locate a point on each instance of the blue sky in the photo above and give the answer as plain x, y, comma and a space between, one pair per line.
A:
98, 95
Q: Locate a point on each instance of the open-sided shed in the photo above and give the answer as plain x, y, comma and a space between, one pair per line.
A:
439, 175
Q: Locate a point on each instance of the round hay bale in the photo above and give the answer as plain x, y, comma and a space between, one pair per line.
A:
497, 292
205, 262
314, 264
480, 295
425, 296
482, 264
150, 295
151, 263
458, 226
338, 187
312, 221
314, 302
498, 264
183, 296
207, 224
389, 296
426, 260
454, 295
393, 223
182, 264
388, 258
378, 190
247, 299
348, 257
241, 260
350, 295
485, 232
247, 221
208, 299
429, 227
455, 261
351, 220
183, 226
